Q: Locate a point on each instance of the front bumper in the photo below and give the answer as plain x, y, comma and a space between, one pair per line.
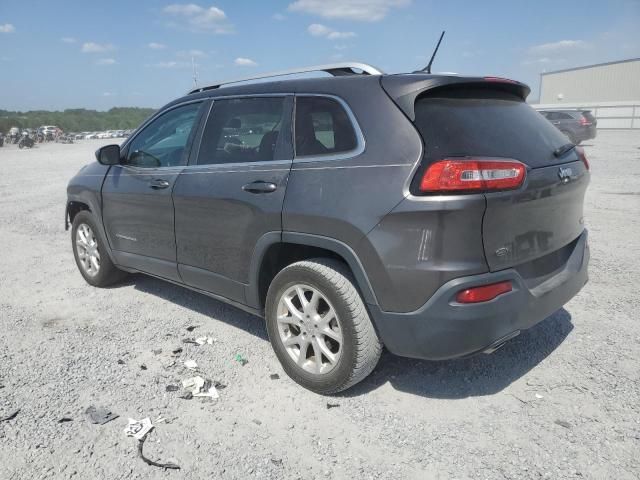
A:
443, 328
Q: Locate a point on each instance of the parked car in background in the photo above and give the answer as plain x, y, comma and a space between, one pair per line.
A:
576, 125
91, 135
434, 245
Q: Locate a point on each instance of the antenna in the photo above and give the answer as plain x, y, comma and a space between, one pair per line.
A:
195, 73
428, 67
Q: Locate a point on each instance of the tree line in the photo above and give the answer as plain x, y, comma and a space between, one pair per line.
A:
76, 119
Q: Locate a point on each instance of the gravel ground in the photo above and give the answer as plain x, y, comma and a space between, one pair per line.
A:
559, 401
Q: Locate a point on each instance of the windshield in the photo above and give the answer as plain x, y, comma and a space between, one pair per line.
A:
480, 122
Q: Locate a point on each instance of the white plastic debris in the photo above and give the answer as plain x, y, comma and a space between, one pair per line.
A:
138, 428
191, 364
199, 387
203, 340
538, 396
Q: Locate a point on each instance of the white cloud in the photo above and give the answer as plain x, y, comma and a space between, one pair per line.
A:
360, 10
195, 17
91, 47
318, 30
106, 61
557, 47
191, 53
278, 16
156, 46
244, 62
7, 28
68, 40
169, 64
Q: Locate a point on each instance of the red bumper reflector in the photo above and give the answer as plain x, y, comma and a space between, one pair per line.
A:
483, 293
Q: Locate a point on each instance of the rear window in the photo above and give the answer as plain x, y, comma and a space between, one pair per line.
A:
479, 122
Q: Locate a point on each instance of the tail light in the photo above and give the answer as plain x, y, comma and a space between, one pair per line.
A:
582, 156
483, 293
584, 121
472, 175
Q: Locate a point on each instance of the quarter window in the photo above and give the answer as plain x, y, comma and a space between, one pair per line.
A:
242, 130
322, 127
163, 142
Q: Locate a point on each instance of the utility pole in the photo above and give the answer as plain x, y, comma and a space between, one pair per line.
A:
195, 73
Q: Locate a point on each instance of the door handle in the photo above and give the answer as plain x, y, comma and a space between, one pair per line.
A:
260, 187
158, 184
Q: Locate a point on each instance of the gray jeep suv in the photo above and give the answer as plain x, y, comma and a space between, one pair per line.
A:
435, 215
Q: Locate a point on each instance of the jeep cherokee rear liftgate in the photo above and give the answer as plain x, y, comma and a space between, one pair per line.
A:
483, 140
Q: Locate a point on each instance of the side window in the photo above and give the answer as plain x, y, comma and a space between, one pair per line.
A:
242, 130
552, 116
322, 127
162, 143
564, 116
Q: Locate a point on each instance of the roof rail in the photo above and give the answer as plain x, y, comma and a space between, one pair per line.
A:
335, 69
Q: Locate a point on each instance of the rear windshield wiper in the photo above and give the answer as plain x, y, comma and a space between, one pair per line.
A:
560, 151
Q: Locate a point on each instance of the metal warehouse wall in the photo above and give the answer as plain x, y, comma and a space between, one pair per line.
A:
613, 82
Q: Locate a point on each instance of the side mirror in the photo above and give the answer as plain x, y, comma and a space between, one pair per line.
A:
108, 155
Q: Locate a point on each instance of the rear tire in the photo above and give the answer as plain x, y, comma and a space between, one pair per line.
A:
90, 252
342, 347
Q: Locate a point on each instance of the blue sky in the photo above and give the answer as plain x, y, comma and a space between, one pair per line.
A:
71, 54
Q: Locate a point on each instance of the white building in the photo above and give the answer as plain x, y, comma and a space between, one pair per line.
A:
610, 90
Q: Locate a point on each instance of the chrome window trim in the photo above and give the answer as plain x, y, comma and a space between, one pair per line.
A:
360, 140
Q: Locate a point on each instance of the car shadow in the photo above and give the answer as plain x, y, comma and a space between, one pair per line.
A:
199, 303
451, 379
474, 376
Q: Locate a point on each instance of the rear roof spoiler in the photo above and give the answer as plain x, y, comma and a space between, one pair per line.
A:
405, 89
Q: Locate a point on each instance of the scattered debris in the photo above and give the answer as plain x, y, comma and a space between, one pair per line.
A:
187, 396
538, 396
277, 461
172, 388
241, 360
189, 340
220, 386
562, 423
143, 367
100, 416
171, 466
11, 416
120, 361
256, 421
158, 351
192, 328
160, 419
199, 387
274, 376
203, 340
65, 420
1, 386
177, 351
138, 428
332, 405
191, 364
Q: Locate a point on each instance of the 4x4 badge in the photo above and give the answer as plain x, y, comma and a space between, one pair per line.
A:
565, 174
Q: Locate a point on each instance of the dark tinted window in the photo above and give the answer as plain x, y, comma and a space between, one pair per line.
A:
162, 142
322, 127
564, 116
481, 122
242, 130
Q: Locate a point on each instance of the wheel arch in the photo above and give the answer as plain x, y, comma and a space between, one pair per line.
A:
276, 250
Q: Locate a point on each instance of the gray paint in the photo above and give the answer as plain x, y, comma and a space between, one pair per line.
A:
408, 254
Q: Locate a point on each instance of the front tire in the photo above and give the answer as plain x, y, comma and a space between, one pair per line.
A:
319, 327
90, 252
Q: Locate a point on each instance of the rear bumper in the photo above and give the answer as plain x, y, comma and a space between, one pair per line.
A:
443, 328
586, 133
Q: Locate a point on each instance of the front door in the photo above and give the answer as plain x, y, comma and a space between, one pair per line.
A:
233, 192
138, 210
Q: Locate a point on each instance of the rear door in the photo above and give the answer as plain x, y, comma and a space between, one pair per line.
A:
545, 213
232, 192
137, 207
